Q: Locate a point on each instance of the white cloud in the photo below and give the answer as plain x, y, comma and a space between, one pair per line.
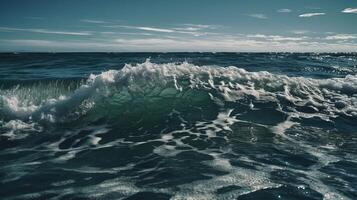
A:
341, 37
187, 29
216, 43
60, 32
191, 29
46, 31
146, 42
94, 21
276, 37
284, 10
258, 16
311, 14
300, 32
144, 28
155, 29
196, 27
350, 10
124, 33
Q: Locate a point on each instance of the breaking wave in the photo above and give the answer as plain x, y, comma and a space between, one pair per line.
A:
179, 131
160, 88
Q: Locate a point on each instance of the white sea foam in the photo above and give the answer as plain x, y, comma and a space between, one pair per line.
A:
17, 129
329, 97
283, 126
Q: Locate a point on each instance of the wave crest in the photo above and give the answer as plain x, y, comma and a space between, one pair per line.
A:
170, 84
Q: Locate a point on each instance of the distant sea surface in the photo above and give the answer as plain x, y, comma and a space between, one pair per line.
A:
178, 126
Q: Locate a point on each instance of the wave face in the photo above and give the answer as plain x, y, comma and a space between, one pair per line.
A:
180, 130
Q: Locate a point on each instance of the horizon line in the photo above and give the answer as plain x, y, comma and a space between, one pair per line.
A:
18, 52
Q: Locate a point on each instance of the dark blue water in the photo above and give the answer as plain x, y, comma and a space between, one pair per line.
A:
178, 126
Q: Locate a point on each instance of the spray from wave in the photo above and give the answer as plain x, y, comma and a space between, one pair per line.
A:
163, 87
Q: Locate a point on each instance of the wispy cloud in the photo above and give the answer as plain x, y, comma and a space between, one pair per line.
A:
153, 29
124, 33
187, 29
196, 27
226, 43
276, 37
311, 14
191, 29
94, 21
146, 41
144, 28
350, 10
258, 16
300, 32
46, 31
284, 10
342, 37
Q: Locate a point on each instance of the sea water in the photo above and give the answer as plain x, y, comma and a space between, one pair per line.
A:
178, 126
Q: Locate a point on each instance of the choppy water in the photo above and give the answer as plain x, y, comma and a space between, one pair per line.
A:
178, 126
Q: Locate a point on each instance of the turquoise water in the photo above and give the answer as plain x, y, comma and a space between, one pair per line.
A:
178, 126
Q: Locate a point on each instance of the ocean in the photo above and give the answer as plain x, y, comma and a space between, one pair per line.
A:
178, 126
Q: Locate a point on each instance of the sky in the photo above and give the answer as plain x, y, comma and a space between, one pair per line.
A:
178, 25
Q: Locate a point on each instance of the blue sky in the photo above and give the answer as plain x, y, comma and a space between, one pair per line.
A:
178, 25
